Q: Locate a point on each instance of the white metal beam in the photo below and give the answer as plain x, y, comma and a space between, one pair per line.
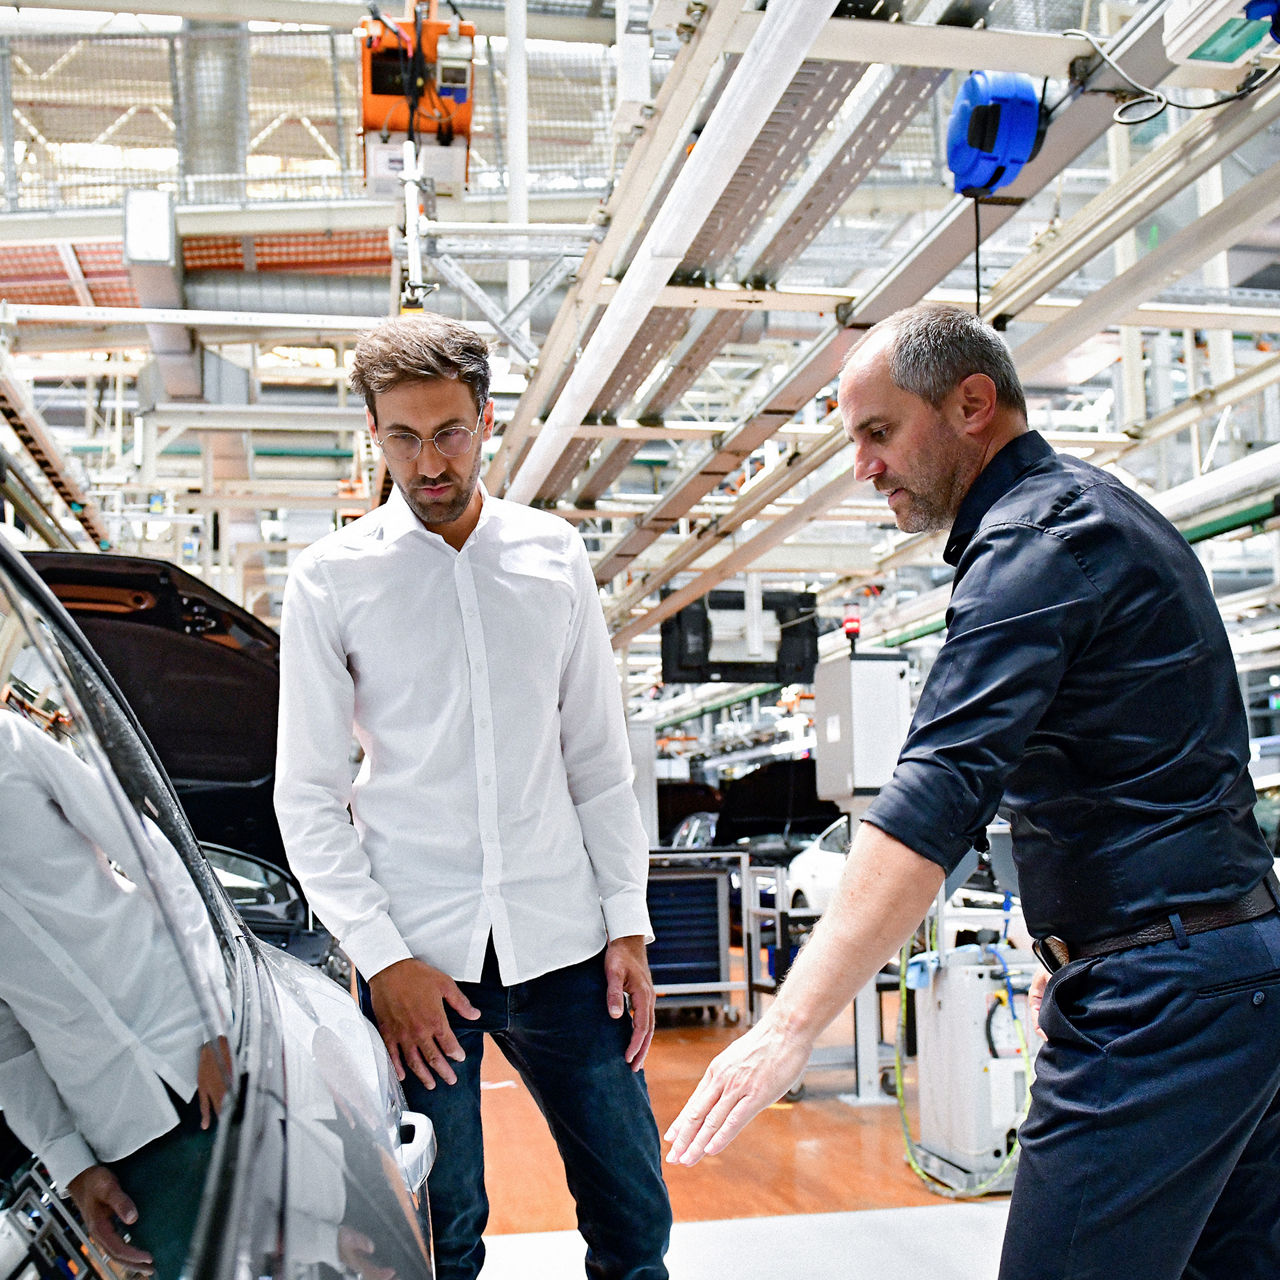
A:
775, 53
1062, 250
1249, 207
628, 209
261, 417
343, 14
742, 556
749, 505
1206, 403
913, 44
20, 312
260, 218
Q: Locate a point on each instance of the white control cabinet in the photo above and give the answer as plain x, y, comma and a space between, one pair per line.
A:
862, 710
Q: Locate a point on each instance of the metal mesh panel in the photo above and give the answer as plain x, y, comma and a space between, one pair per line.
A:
1016, 15
215, 113
303, 104
571, 104
1044, 15
919, 155
556, 8
90, 117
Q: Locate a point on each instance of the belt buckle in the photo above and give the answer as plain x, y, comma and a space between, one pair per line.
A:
1052, 952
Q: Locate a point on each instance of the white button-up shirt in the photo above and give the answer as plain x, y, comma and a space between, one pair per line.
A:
495, 792
97, 1010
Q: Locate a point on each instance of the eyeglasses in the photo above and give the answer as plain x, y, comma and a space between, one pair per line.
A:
450, 442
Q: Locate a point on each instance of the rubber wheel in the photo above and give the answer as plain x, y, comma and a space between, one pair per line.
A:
795, 1093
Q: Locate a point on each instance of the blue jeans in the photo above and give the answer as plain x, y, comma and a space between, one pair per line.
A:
1152, 1149
556, 1031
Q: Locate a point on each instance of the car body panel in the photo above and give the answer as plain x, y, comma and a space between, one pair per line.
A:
309, 1147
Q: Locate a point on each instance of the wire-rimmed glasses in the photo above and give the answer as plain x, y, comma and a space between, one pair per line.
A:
449, 442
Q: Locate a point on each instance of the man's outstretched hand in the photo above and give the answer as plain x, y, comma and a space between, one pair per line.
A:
884, 890
753, 1072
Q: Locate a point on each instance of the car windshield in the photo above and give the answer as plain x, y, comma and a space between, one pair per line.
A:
835, 839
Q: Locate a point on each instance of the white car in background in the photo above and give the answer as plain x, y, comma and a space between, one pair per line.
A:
814, 871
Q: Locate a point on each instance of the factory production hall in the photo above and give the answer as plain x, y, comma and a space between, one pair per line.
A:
540, 538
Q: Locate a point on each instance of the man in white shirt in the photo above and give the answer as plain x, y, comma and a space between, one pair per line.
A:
491, 875
108, 1070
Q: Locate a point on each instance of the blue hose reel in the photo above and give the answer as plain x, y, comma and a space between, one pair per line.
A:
996, 127
1264, 11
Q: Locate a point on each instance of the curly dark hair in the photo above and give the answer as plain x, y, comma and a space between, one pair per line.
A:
419, 348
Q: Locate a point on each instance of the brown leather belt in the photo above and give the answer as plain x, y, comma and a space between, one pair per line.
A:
1261, 900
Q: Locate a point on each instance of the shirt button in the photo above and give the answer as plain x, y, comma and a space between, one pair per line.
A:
483, 723
1259, 997
486, 781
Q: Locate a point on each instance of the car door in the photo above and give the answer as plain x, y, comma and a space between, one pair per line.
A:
311, 1165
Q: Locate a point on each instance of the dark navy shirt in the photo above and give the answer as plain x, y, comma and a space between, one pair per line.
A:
1086, 677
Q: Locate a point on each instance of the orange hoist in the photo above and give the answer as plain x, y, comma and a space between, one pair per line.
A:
417, 85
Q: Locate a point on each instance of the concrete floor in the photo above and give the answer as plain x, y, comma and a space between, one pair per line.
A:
818, 1188
942, 1242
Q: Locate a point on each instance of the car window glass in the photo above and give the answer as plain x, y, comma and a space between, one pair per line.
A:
836, 840
249, 882
115, 1002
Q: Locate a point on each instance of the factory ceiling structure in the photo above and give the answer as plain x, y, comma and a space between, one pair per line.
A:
678, 218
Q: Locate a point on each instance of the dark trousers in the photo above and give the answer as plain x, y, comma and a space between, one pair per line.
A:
165, 1180
1152, 1149
556, 1031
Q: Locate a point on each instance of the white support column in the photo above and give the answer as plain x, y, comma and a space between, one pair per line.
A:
1133, 397
148, 442
117, 410
517, 145
1214, 273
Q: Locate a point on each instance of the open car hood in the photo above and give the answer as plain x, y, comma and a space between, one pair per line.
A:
778, 799
201, 673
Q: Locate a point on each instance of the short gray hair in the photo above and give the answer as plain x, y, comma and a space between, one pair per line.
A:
419, 348
933, 347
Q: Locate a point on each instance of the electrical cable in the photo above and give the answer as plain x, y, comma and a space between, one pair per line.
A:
977, 259
991, 1017
1157, 98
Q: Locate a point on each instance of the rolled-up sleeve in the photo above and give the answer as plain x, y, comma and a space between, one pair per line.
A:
313, 776
1022, 607
593, 739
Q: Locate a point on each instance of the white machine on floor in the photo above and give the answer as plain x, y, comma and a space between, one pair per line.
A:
975, 1049
974, 1063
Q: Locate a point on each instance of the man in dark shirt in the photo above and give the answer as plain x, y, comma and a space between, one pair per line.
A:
1087, 679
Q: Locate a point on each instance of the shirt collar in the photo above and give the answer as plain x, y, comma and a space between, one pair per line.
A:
398, 518
995, 480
